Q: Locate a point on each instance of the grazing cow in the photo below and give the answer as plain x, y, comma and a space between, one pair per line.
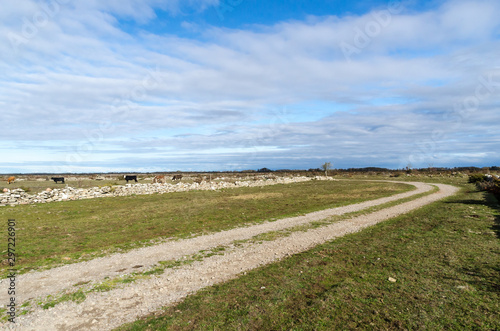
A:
159, 179
177, 177
11, 179
127, 178
58, 179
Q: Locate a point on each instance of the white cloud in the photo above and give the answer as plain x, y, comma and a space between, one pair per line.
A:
80, 70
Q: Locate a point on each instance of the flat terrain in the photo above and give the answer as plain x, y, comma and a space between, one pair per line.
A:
36, 184
72, 231
435, 268
363, 283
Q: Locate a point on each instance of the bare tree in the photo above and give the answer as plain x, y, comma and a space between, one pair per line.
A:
409, 168
326, 166
431, 167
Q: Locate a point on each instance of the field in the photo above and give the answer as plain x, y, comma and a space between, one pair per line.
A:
73, 231
36, 184
433, 268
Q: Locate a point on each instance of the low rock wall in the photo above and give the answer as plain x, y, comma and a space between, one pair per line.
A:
20, 197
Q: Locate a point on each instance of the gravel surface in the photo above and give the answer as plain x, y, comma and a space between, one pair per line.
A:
106, 310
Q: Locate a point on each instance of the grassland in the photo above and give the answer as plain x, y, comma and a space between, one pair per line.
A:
435, 268
65, 232
33, 186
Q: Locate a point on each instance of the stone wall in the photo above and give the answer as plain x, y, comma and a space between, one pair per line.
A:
20, 197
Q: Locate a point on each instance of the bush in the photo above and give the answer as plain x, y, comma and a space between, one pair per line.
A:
474, 178
485, 186
494, 187
486, 183
25, 189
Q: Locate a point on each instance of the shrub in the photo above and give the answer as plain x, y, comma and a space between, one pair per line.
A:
474, 178
25, 189
494, 187
486, 183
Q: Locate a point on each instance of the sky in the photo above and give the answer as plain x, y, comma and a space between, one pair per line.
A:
230, 85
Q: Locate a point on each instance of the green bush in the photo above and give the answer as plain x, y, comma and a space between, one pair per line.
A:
494, 188
486, 183
25, 189
474, 178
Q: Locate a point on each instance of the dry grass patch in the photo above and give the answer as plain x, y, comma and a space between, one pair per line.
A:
257, 196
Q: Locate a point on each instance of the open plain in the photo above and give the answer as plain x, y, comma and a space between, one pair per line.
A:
112, 283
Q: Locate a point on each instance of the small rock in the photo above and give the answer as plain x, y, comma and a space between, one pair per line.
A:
392, 280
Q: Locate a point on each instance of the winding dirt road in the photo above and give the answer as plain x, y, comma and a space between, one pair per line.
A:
107, 310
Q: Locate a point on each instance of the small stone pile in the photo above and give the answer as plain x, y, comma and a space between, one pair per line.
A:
20, 197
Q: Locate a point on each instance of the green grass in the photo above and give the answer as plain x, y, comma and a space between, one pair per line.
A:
273, 235
111, 283
445, 259
424, 178
72, 231
78, 297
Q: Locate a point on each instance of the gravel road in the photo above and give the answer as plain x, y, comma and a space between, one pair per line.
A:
107, 310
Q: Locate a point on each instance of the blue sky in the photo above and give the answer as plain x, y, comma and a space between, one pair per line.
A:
151, 85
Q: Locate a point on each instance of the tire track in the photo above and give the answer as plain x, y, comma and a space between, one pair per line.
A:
103, 311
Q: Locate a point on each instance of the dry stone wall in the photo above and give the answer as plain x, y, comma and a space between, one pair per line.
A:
20, 197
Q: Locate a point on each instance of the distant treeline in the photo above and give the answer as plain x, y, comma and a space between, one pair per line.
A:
267, 170
439, 169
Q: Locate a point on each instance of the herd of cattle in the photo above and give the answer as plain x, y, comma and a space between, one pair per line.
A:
156, 179
163, 179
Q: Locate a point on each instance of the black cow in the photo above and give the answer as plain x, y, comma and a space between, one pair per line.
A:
177, 177
127, 178
58, 179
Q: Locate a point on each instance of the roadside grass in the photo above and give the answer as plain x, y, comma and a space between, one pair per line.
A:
52, 234
436, 178
434, 268
273, 235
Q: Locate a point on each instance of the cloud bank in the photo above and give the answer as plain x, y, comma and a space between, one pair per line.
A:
96, 86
